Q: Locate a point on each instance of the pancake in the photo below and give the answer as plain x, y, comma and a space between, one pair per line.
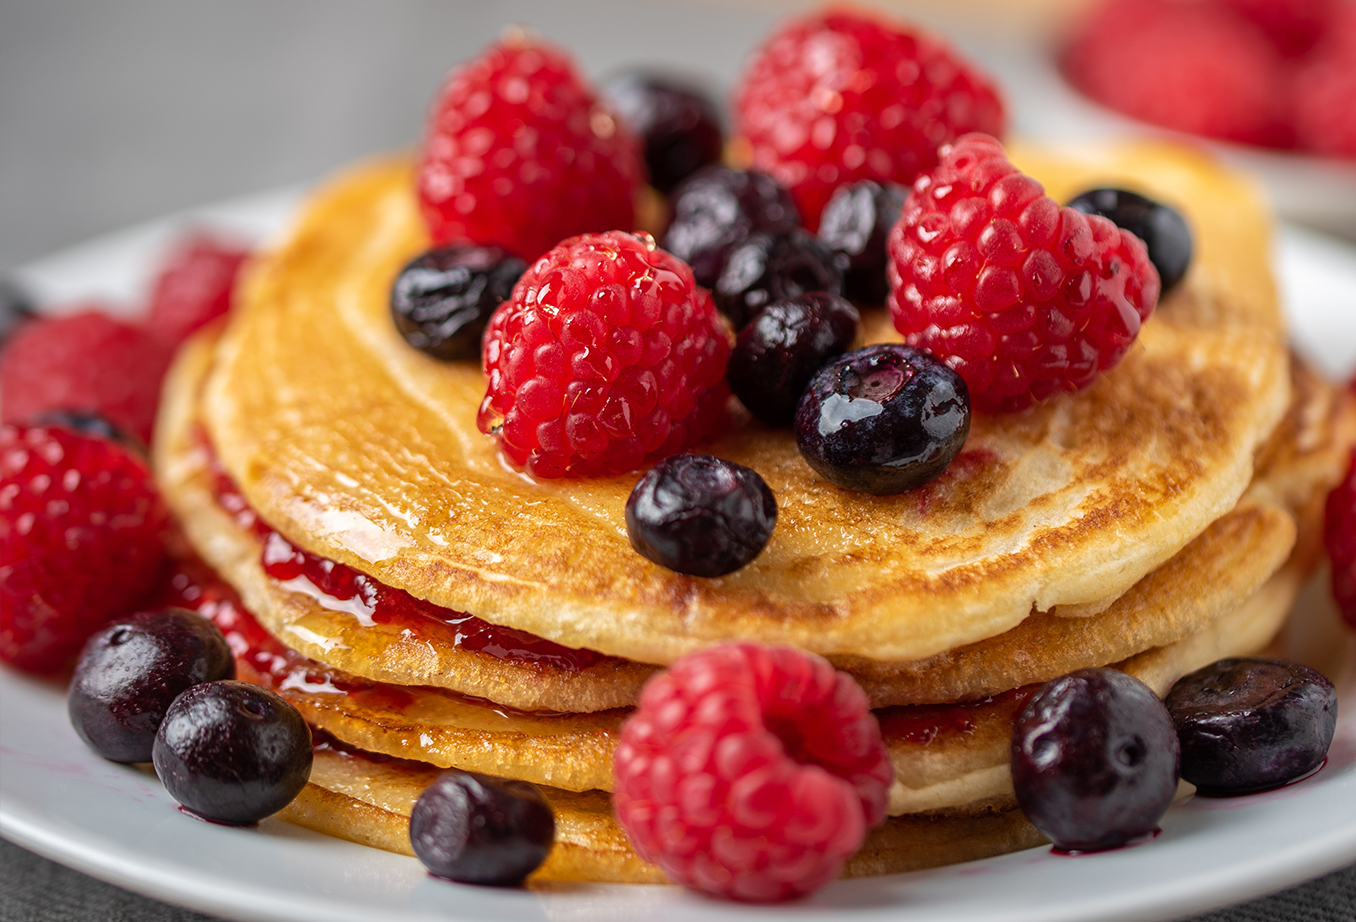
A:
968, 813
359, 449
369, 801
1214, 573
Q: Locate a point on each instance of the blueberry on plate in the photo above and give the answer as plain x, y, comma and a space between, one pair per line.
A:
130, 673
883, 419
777, 354
1094, 760
717, 207
1163, 229
1248, 724
854, 224
442, 300
769, 267
232, 753
678, 124
700, 515
477, 829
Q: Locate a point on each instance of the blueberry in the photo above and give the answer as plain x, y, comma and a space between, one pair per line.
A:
769, 267
883, 419
1163, 230
1094, 760
700, 515
854, 224
130, 673
715, 208
777, 354
678, 124
232, 752
92, 423
1250, 724
15, 309
442, 300
481, 830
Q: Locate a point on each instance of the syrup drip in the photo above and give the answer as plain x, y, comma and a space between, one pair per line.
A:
338, 587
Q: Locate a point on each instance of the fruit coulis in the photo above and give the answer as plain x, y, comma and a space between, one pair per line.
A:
338, 587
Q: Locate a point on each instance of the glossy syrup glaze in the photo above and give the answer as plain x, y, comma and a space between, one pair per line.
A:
262, 659
339, 587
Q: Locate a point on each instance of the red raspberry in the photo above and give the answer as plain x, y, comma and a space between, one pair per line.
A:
606, 354
520, 154
1023, 298
80, 541
84, 361
194, 286
1193, 66
1325, 92
1291, 25
751, 772
842, 96
1340, 532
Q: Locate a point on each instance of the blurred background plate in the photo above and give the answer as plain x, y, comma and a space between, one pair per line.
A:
116, 113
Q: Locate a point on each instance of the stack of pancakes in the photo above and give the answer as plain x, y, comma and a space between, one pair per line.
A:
1156, 522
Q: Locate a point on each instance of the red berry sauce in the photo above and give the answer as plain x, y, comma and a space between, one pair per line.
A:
923, 723
339, 587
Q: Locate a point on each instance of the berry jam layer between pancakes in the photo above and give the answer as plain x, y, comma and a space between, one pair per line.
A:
365, 451
1216, 572
946, 757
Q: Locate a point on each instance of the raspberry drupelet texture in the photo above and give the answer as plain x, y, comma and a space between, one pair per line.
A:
1023, 298
80, 541
751, 772
520, 154
839, 97
1340, 534
606, 355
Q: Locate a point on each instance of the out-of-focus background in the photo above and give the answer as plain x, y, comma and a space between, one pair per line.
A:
111, 113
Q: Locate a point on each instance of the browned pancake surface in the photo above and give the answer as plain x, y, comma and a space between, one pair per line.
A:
363, 450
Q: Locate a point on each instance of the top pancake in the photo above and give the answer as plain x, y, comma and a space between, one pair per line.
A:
359, 448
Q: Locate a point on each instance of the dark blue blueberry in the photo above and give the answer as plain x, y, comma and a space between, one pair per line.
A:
678, 124
715, 208
854, 224
883, 419
91, 423
769, 267
1163, 230
477, 829
1094, 760
777, 354
130, 673
232, 753
700, 515
1250, 724
15, 309
442, 300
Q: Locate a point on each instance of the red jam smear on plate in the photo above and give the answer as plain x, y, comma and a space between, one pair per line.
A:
339, 587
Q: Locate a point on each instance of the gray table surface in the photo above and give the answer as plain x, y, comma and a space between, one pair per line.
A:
112, 113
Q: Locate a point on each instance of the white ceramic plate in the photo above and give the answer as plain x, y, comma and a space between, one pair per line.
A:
116, 822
